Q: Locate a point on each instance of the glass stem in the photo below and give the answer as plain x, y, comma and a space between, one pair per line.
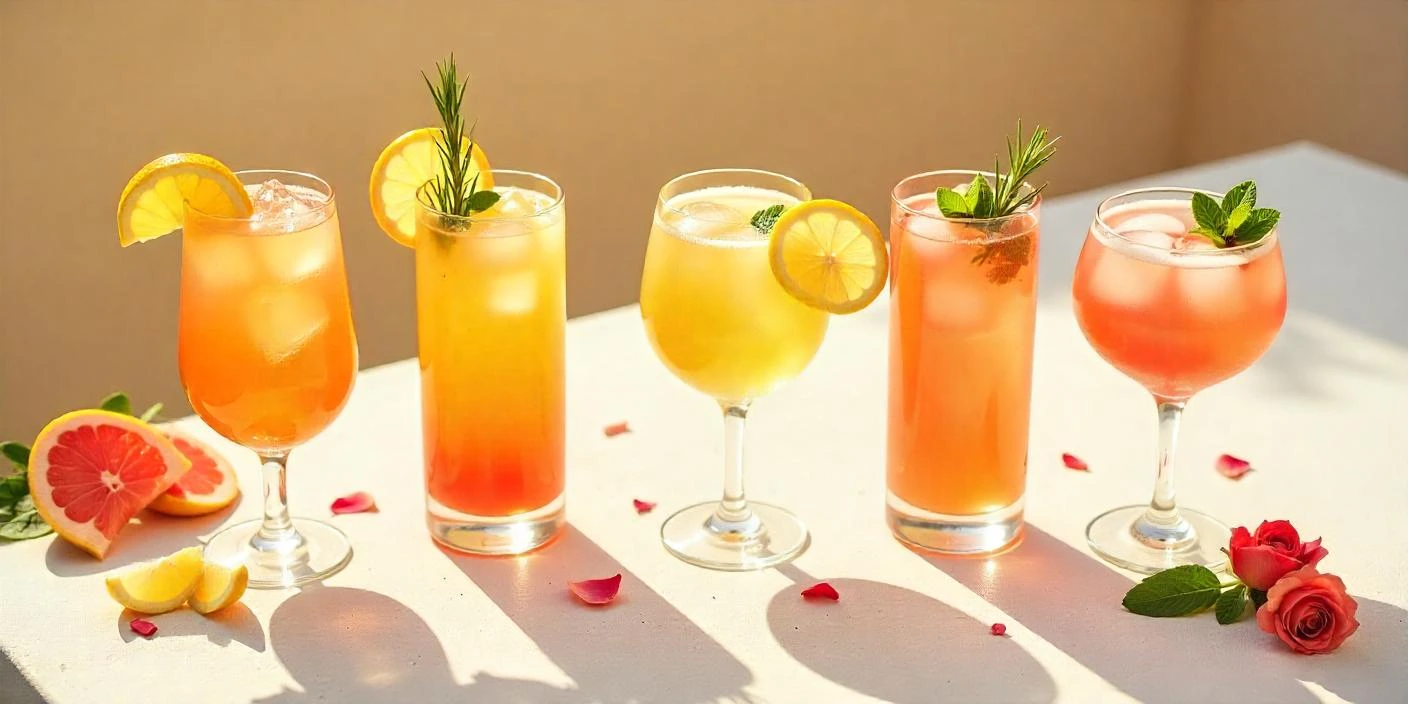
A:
1161, 526
733, 515
277, 528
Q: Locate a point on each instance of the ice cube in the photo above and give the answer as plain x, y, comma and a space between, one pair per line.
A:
283, 208
1119, 279
707, 220
222, 261
1152, 222
513, 203
1193, 243
513, 294
296, 257
281, 319
956, 304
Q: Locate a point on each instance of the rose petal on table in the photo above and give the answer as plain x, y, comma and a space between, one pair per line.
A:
142, 627
821, 590
615, 429
354, 503
1233, 467
596, 591
1073, 462
998, 629
643, 506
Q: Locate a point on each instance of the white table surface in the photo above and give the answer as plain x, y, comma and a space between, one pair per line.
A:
1320, 417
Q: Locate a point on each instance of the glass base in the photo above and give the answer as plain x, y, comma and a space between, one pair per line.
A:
1123, 538
314, 551
979, 534
771, 537
495, 535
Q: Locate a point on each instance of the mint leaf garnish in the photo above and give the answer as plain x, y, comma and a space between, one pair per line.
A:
13, 488
952, 204
1177, 591
480, 201
16, 453
764, 219
117, 403
1231, 605
1234, 221
980, 199
23, 524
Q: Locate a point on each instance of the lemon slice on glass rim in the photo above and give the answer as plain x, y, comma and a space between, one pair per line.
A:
829, 255
403, 167
154, 201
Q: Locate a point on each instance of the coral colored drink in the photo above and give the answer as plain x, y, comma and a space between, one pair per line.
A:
491, 315
712, 309
1172, 320
267, 352
962, 316
1176, 313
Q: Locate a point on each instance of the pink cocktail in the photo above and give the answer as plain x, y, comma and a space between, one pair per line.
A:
1177, 314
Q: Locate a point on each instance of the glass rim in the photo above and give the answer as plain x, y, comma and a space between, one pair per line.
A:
895, 198
1105, 228
662, 203
424, 203
324, 211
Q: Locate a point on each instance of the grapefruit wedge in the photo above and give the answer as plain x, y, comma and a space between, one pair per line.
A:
207, 488
90, 471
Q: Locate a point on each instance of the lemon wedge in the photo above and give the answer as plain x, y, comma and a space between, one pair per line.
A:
829, 255
154, 202
219, 587
403, 167
159, 586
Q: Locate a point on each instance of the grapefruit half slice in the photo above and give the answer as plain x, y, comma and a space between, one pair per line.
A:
207, 488
90, 471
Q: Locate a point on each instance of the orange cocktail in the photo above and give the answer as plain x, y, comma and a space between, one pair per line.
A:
491, 313
962, 316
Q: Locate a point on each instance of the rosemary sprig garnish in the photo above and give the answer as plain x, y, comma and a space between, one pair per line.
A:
984, 201
453, 190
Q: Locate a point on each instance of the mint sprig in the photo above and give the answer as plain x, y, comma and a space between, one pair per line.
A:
1189, 589
19, 520
764, 219
1231, 605
1236, 220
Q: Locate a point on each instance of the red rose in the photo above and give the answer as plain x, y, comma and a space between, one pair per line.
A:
1259, 560
1309, 611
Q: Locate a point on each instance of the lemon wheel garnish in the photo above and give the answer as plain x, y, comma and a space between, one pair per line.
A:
154, 202
159, 586
829, 255
403, 167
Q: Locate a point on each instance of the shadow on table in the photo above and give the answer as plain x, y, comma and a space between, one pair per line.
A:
1302, 355
1073, 601
352, 645
150, 535
901, 646
232, 624
14, 687
639, 648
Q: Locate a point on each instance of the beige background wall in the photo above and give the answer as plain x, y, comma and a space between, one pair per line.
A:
610, 98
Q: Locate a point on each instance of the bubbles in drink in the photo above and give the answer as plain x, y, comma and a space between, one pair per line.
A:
282, 208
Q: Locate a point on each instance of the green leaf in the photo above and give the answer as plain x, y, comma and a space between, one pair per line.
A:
951, 204
1238, 215
1177, 591
15, 452
24, 525
980, 198
1241, 194
1215, 237
1259, 222
117, 403
1231, 605
13, 488
151, 412
1208, 213
479, 201
764, 219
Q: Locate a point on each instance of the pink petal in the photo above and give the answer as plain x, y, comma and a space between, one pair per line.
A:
354, 503
999, 629
143, 627
1073, 462
821, 590
643, 506
596, 591
1232, 467
615, 429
